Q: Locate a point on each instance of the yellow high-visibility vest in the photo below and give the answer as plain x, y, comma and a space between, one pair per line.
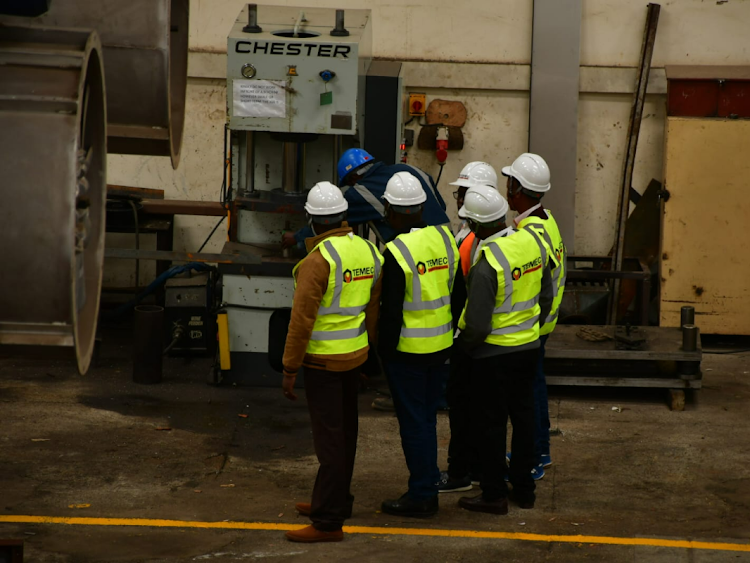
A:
553, 245
429, 259
355, 266
517, 259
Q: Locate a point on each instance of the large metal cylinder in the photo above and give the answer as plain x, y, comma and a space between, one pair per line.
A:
145, 61
53, 188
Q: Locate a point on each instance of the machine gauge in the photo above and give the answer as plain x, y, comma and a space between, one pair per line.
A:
248, 70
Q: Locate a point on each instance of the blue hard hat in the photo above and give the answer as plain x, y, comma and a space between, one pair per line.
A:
351, 160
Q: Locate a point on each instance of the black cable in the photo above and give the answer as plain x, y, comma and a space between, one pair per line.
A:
205, 242
137, 246
176, 336
439, 174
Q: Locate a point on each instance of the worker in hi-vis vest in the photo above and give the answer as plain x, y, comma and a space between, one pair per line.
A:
420, 273
475, 173
333, 320
496, 353
528, 181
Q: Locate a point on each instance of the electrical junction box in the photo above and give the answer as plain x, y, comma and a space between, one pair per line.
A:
417, 104
188, 301
296, 77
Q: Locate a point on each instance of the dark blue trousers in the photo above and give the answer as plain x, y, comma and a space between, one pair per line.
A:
416, 392
541, 407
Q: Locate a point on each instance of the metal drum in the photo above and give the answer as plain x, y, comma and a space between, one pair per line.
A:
145, 63
52, 189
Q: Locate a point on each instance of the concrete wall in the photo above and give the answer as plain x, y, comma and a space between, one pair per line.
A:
478, 52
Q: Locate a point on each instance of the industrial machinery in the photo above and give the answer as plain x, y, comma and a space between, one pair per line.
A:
145, 47
295, 101
57, 123
53, 170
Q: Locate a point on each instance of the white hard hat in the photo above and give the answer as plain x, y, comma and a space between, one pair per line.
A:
325, 199
477, 173
483, 204
403, 189
531, 171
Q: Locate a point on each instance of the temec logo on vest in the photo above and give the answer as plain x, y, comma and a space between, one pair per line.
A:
432, 265
527, 268
357, 274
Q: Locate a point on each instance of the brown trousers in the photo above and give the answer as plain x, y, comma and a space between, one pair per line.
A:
332, 401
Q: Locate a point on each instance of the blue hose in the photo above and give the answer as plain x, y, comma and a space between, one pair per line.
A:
154, 285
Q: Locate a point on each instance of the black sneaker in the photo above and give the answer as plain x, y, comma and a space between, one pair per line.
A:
407, 506
448, 485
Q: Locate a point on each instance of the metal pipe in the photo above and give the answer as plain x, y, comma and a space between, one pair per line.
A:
292, 167
249, 162
336, 156
689, 338
252, 20
148, 343
339, 30
687, 315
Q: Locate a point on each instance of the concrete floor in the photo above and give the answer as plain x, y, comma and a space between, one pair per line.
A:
640, 472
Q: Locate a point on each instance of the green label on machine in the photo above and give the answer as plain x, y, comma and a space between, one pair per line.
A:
326, 98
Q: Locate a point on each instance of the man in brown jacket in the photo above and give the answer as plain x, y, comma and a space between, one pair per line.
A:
334, 317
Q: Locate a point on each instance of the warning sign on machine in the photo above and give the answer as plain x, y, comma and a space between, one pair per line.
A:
259, 98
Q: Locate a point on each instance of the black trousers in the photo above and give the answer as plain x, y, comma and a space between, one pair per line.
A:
332, 401
491, 390
462, 456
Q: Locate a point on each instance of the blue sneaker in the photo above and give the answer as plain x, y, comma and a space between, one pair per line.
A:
538, 472
545, 459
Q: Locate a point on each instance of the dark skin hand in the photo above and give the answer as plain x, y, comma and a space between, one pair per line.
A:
288, 387
288, 240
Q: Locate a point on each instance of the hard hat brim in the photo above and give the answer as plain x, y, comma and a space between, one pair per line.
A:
508, 171
461, 183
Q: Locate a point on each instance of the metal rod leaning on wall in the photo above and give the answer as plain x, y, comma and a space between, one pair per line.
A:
634, 127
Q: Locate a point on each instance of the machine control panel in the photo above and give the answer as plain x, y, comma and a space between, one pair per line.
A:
294, 76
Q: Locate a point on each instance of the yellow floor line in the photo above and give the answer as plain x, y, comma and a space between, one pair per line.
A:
378, 530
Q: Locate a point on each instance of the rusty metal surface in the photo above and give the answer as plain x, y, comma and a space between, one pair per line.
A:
145, 54
634, 128
708, 91
53, 171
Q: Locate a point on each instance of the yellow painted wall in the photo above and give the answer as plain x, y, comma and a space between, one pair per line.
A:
440, 40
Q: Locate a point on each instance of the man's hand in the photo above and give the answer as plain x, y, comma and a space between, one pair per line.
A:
288, 387
288, 240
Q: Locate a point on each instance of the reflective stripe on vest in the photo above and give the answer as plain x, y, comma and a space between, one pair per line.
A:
428, 258
335, 307
517, 260
340, 324
551, 234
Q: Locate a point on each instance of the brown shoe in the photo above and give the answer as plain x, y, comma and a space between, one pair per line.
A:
304, 508
478, 504
312, 535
